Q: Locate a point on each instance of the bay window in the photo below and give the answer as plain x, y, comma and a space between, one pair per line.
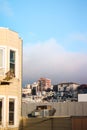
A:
1, 58
2, 61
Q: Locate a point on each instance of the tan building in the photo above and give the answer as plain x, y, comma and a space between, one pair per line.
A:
10, 78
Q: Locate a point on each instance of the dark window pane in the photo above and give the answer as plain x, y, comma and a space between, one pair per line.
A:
12, 61
12, 56
11, 112
11, 119
0, 112
12, 68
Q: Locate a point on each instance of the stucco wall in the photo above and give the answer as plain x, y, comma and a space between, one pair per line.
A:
52, 123
62, 108
10, 40
46, 123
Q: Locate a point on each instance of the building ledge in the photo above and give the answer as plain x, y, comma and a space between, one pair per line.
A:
4, 82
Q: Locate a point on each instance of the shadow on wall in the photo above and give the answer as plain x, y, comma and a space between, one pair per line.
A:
48, 123
54, 123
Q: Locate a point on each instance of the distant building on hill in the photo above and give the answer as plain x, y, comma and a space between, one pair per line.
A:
66, 86
82, 89
44, 84
66, 91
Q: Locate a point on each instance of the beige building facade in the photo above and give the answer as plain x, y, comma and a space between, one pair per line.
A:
10, 78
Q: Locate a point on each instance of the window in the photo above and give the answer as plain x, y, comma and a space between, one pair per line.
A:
0, 112
11, 111
1, 58
12, 61
2, 61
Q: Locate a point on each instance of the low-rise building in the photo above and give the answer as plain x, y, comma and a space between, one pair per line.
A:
67, 86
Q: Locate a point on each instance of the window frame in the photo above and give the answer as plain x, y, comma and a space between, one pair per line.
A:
1, 102
2, 55
16, 61
2, 68
3, 98
11, 111
15, 111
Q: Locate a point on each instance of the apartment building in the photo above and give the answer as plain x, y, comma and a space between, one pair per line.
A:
10, 78
44, 84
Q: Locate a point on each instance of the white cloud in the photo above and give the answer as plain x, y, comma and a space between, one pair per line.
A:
79, 37
5, 8
50, 59
82, 37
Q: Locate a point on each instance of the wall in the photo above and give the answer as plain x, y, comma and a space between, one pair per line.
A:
10, 40
46, 123
55, 123
52, 123
79, 123
62, 108
82, 97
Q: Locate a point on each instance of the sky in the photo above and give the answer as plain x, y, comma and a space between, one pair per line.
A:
54, 34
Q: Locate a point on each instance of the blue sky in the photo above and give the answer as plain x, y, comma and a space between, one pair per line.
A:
54, 34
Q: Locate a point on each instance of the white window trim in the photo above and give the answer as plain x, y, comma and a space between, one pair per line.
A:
16, 60
3, 98
4, 59
16, 120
